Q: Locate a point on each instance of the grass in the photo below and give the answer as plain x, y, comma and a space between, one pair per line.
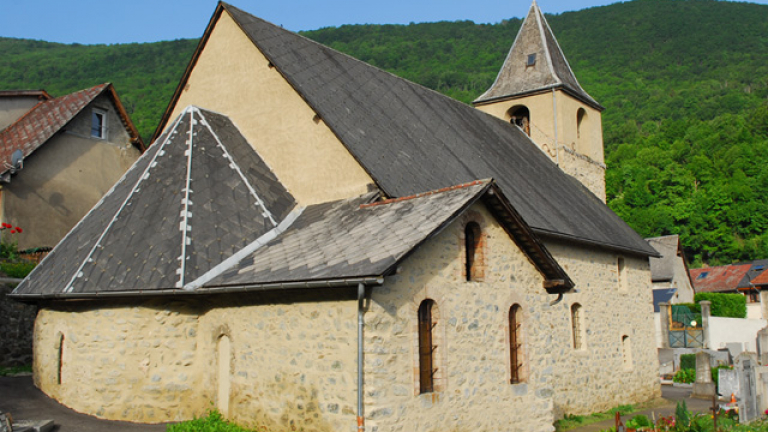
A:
213, 422
13, 370
573, 421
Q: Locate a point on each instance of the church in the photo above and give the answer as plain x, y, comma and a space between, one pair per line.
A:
312, 243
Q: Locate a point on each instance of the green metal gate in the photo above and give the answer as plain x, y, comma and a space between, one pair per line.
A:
685, 329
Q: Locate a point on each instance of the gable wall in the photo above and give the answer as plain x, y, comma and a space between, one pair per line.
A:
12, 108
64, 178
472, 354
596, 378
233, 77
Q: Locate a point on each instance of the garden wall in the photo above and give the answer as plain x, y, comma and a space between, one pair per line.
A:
17, 321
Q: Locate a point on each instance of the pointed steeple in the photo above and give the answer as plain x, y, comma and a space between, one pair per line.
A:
535, 63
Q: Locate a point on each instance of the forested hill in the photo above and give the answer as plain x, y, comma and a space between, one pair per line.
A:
685, 84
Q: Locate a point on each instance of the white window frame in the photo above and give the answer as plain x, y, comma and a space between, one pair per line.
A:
104, 120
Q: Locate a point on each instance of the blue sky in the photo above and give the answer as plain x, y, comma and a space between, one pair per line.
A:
110, 21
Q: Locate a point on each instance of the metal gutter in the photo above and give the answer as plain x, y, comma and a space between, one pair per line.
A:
331, 283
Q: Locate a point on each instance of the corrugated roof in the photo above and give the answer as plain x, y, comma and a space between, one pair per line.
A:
411, 139
48, 117
550, 70
718, 279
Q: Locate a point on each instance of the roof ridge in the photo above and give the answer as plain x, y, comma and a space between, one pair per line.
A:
424, 194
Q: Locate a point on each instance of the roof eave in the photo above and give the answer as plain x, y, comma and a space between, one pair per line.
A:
607, 246
559, 86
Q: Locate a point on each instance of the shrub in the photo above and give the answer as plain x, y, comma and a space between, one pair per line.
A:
17, 269
693, 307
213, 422
685, 376
725, 305
688, 361
639, 421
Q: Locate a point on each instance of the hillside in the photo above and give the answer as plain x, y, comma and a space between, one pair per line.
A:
685, 84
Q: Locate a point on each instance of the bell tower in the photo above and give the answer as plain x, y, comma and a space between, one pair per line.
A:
537, 91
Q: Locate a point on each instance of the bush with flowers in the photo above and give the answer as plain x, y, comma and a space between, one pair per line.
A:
11, 263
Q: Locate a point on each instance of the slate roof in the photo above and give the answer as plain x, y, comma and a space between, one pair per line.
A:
663, 268
411, 139
718, 279
200, 193
663, 295
551, 70
47, 118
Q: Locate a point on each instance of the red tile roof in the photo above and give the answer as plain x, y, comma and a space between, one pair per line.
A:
718, 279
38, 125
762, 279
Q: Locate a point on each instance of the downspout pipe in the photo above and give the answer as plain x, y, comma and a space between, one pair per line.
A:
360, 323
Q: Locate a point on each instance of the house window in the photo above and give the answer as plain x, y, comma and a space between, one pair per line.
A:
99, 123
516, 344
472, 235
427, 347
520, 117
622, 272
531, 60
626, 350
577, 326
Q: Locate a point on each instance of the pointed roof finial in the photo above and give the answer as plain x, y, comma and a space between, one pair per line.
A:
535, 63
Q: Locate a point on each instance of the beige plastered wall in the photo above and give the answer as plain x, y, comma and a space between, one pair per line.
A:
234, 78
596, 378
59, 184
292, 360
12, 108
580, 149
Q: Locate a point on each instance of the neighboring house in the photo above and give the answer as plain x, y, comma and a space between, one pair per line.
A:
59, 157
670, 271
733, 279
313, 243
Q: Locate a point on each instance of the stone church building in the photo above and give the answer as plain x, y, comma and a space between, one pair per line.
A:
312, 243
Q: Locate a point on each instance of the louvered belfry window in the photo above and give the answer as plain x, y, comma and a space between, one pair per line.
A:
426, 348
515, 344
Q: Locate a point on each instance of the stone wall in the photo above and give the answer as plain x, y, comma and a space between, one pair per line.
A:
16, 322
292, 359
587, 171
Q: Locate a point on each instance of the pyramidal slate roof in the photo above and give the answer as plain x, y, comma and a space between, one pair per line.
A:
549, 70
47, 118
412, 139
197, 197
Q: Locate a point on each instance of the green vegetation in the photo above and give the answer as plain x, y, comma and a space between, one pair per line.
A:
13, 370
213, 422
725, 305
688, 361
685, 84
686, 376
18, 270
573, 421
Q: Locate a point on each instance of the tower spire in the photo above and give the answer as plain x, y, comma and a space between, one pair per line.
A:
535, 63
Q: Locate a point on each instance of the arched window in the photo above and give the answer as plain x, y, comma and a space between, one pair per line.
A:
59, 357
427, 347
626, 351
577, 326
472, 235
516, 344
224, 348
581, 115
622, 270
520, 116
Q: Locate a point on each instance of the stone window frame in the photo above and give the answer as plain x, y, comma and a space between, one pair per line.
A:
440, 378
216, 336
578, 328
522, 358
481, 250
622, 274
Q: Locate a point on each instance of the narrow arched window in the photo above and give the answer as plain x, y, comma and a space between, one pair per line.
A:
59, 357
515, 344
622, 271
626, 350
581, 115
520, 116
427, 348
577, 326
224, 348
471, 247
